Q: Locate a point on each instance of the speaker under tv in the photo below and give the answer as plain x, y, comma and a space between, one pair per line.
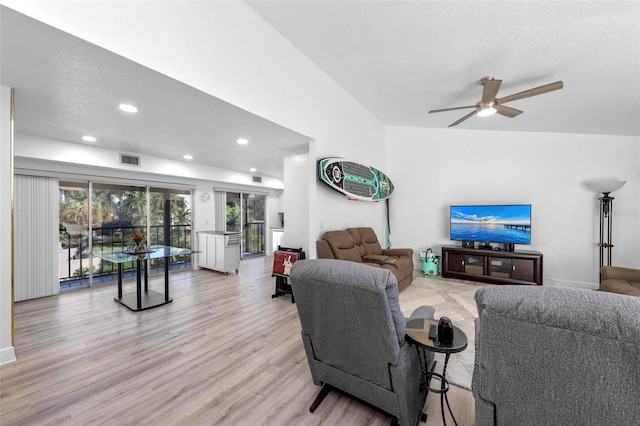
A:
468, 244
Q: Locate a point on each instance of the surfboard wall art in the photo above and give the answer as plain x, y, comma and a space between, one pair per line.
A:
356, 181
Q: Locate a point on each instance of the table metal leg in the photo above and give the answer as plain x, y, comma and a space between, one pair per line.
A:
146, 275
166, 279
443, 396
425, 378
119, 280
138, 285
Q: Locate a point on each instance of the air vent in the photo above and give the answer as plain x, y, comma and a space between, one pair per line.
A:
130, 160
257, 179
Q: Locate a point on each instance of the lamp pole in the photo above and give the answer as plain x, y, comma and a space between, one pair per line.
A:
606, 210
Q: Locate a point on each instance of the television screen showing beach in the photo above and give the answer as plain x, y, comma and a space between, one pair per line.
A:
496, 224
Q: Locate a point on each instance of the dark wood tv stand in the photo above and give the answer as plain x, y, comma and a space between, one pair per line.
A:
492, 266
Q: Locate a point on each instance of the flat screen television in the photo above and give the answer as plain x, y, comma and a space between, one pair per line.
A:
507, 224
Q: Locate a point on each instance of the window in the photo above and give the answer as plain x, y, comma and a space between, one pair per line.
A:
107, 220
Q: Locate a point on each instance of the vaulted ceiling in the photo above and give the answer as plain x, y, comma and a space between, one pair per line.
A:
399, 59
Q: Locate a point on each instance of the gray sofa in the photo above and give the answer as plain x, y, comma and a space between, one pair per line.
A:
353, 333
556, 356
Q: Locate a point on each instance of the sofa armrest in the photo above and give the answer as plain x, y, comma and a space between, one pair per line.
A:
617, 272
398, 252
323, 250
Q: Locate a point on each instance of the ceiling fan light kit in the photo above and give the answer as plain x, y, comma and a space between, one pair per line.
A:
486, 110
490, 105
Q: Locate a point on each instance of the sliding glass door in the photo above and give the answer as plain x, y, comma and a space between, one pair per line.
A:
170, 221
106, 221
73, 246
245, 213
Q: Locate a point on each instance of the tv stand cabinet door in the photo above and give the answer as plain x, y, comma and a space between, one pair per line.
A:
523, 269
455, 262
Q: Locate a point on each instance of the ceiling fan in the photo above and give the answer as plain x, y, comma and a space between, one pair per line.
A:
489, 104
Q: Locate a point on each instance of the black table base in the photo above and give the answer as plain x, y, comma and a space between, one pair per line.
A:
143, 299
282, 287
149, 299
418, 332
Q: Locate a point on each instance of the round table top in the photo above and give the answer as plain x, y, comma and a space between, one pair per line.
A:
420, 335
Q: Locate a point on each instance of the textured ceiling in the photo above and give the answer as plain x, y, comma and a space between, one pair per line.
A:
401, 59
67, 88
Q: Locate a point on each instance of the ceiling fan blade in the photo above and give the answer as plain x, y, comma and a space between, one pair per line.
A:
490, 90
531, 92
507, 111
451, 109
455, 123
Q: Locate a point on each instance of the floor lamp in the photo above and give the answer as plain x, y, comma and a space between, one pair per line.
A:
606, 219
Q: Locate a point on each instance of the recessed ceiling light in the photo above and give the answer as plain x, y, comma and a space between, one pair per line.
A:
187, 157
88, 138
128, 108
253, 169
242, 141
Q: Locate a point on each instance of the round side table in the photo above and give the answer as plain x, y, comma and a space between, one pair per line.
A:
420, 336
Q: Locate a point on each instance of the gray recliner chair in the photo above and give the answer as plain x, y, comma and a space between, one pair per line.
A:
354, 336
556, 356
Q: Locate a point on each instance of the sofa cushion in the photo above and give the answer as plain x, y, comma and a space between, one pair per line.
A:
377, 258
369, 241
357, 240
361, 245
342, 245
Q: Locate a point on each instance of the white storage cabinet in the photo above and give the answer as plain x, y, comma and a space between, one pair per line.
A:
219, 251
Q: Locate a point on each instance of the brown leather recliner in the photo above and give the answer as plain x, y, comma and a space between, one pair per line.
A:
361, 245
616, 279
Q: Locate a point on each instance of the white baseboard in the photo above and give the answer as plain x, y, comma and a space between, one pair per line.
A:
7, 355
549, 282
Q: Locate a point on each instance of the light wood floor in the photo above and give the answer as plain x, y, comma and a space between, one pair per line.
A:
224, 352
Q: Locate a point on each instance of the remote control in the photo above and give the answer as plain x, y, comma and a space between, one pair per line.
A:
433, 331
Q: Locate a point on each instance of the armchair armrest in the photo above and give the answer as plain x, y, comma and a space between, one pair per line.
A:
617, 272
398, 252
324, 250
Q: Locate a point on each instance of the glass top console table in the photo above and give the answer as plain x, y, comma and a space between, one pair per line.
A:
147, 299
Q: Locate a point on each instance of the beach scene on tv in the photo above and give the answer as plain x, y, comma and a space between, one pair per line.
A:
495, 224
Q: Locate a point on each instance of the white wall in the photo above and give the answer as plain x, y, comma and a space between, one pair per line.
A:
98, 159
296, 229
434, 168
7, 352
